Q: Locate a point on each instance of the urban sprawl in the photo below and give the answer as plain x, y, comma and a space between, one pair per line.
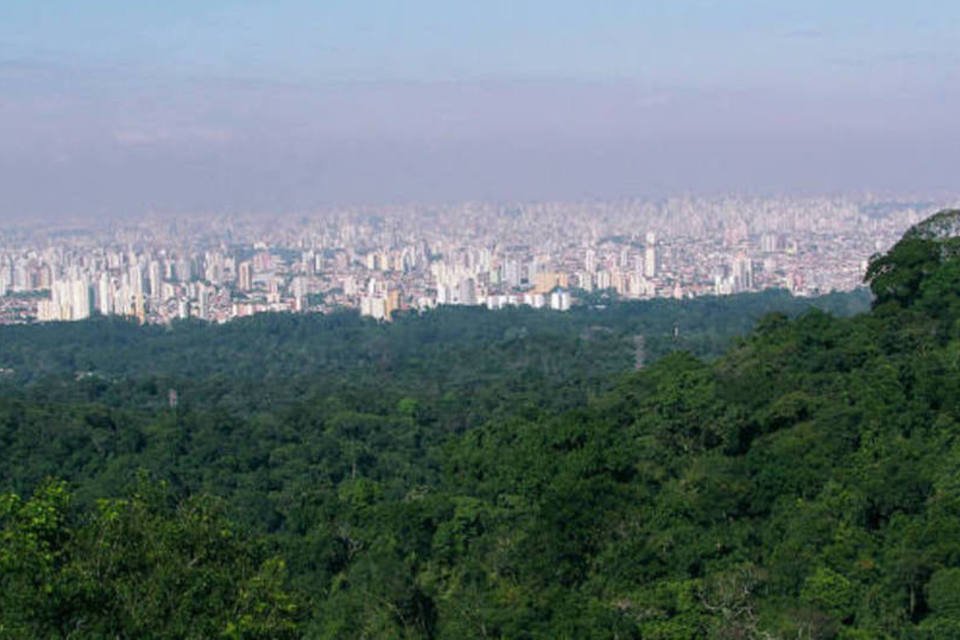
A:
384, 259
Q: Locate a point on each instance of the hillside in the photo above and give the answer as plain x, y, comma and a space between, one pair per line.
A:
478, 479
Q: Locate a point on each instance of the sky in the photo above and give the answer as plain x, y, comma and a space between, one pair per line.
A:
113, 108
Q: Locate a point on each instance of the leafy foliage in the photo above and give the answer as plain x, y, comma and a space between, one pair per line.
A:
136, 567
503, 475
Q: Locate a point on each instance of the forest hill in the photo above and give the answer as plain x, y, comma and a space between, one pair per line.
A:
471, 474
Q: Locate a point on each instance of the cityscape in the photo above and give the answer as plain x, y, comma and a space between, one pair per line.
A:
621, 320
380, 260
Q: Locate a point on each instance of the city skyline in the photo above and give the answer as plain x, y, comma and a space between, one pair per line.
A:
378, 260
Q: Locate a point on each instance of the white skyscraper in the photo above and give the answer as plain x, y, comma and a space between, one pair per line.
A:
590, 261
560, 300
650, 256
467, 291
742, 273
104, 295
202, 301
155, 279
69, 300
79, 299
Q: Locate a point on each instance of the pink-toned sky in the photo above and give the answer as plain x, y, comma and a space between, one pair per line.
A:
117, 108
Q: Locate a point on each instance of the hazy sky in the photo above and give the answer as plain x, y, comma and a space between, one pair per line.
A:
180, 105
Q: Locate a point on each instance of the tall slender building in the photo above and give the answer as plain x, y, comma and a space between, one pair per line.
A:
104, 295
155, 279
245, 276
650, 256
742, 273
202, 301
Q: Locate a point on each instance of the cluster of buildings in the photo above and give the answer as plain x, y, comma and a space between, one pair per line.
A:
383, 259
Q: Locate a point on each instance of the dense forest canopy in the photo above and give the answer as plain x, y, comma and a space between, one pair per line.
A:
471, 474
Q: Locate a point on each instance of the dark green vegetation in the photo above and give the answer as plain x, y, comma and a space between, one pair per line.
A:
504, 475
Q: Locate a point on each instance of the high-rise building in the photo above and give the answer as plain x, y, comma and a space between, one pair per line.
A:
590, 261
202, 302
153, 275
245, 276
604, 279
184, 269
6, 278
511, 273
742, 273
69, 300
374, 306
104, 297
650, 256
769, 242
136, 279
392, 302
468, 291
585, 280
560, 300
139, 307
